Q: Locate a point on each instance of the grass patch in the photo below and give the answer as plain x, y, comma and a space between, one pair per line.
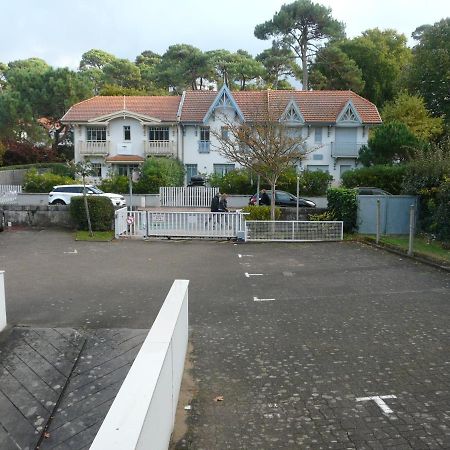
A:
98, 236
423, 246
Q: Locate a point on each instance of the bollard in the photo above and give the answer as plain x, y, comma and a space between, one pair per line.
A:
378, 221
2, 301
298, 193
411, 230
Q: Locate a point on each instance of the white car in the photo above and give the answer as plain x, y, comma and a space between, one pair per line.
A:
61, 195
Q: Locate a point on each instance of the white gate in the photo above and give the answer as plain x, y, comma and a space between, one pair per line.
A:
8, 193
196, 196
293, 231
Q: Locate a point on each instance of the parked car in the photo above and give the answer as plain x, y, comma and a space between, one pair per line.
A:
61, 195
283, 198
371, 191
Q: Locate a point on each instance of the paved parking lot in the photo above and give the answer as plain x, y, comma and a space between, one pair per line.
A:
333, 345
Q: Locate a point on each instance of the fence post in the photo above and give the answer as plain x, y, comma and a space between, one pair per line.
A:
378, 221
411, 230
2, 301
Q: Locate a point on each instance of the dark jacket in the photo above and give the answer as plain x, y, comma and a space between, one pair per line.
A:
265, 199
215, 204
223, 205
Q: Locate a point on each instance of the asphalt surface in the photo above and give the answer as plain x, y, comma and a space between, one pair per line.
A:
293, 352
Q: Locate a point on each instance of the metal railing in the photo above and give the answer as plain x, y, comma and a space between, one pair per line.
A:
199, 197
159, 148
293, 231
204, 146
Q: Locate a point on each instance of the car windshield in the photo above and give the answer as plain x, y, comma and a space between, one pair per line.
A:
95, 190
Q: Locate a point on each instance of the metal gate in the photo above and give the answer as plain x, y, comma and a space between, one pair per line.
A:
293, 231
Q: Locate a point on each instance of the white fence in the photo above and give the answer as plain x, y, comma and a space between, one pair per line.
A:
142, 415
178, 224
293, 231
8, 193
196, 196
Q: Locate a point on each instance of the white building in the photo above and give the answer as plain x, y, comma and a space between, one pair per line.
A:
116, 133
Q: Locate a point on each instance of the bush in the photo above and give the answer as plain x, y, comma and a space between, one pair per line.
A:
311, 183
327, 215
157, 172
237, 182
389, 178
35, 182
260, 213
344, 206
101, 211
118, 184
442, 213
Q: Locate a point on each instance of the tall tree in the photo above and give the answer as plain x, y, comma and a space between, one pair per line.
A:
95, 59
382, 56
429, 74
278, 62
245, 68
221, 63
303, 26
122, 72
411, 110
333, 69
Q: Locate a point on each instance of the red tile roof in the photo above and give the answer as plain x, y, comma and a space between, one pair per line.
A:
315, 106
161, 107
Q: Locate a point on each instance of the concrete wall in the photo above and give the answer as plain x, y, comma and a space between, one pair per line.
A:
38, 216
142, 415
2, 301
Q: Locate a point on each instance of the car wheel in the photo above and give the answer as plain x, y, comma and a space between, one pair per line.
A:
59, 202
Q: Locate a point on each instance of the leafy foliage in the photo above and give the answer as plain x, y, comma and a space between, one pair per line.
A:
442, 213
158, 172
310, 183
101, 212
16, 153
344, 206
36, 182
260, 213
238, 182
118, 184
389, 178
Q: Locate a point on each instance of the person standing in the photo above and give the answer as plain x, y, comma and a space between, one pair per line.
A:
223, 203
264, 199
215, 203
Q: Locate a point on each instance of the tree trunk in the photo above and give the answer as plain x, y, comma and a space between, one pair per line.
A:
272, 202
304, 47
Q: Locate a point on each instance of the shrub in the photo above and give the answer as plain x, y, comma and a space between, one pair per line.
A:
238, 182
260, 213
327, 215
344, 206
101, 212
118, 184
442, 213
311, 183
35, 182
157, 172
389, 178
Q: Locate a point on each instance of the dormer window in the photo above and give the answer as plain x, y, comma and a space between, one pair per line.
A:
127, 133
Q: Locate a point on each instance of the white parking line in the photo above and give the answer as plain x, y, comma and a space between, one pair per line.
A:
248, 275
71, 253
256, 299
378, 399
248, 256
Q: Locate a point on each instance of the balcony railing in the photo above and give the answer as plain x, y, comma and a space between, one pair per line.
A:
165, 148
94, 148
204, 146
346, 149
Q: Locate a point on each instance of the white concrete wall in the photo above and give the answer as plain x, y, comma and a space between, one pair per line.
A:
2, 301
143, 413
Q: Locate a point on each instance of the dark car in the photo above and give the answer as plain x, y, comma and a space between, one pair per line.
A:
371, 191
283, 198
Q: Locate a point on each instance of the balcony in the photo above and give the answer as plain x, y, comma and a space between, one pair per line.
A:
204, 146
346, 149
159, 148
94, 148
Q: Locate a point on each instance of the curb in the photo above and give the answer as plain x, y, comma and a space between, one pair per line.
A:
417, 258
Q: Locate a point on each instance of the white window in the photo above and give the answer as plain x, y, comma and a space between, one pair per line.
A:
95, 134
158, 134
317, 168
127, 133
204, 134
225, 133
223, 169
97, 169
318, 135
191, 171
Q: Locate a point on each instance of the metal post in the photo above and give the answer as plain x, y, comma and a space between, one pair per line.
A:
130, 178
298, 193
257, 190
411, 229
2, 301
378, 221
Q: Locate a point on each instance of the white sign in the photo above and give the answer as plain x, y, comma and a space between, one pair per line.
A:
130, 220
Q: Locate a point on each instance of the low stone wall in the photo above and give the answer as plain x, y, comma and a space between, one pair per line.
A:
303, 213
38, 216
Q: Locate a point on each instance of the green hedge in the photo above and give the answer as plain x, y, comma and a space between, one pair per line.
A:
442, 212
260, 213
237, 182
35, 182
343, 205
101, 212
389, 178
118, 184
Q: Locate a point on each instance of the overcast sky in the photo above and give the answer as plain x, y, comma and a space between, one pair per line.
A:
60, 32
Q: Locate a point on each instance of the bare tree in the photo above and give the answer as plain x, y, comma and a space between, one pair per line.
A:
268, 147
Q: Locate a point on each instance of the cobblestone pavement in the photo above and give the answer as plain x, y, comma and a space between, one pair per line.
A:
346, 323
292, 351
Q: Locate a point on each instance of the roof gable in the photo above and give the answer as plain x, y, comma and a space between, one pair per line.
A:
224, 99
292, 114
349, 115
125, 113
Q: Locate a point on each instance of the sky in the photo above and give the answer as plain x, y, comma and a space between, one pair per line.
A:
60, 33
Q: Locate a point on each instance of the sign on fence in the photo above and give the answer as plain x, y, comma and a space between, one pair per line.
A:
8, 193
